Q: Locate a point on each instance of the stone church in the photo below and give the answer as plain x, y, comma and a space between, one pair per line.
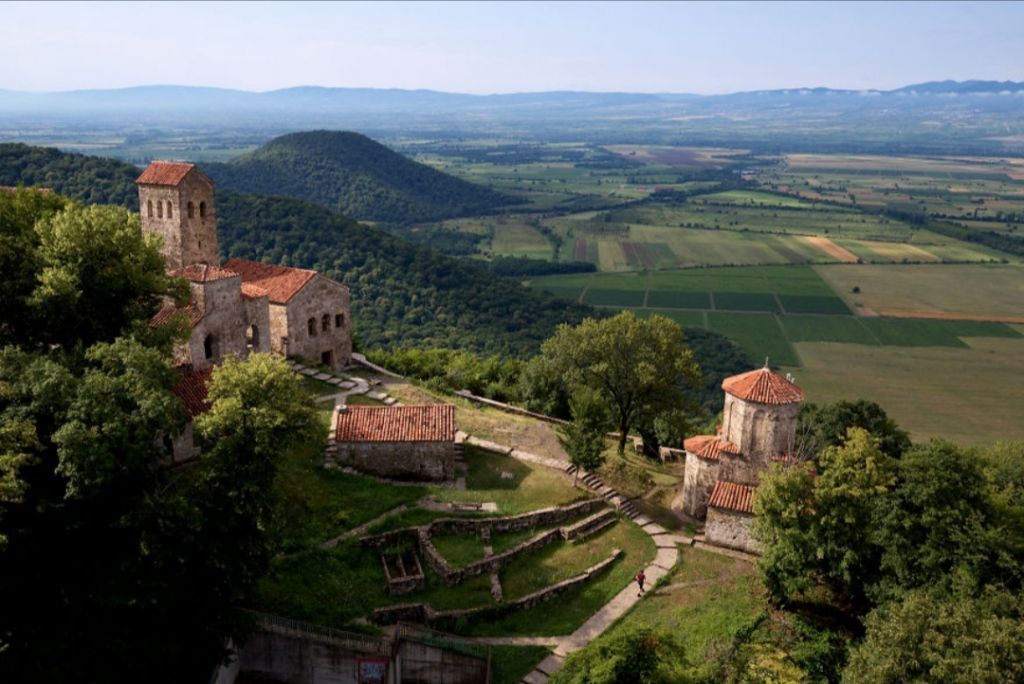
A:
239, 307
723, 470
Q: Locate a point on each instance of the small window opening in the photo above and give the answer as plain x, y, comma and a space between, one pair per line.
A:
339, 320
191, 210
325, 323
311, 327
159, 209
170, 212
202, 210
149, 208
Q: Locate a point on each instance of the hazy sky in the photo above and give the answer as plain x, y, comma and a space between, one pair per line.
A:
507, 47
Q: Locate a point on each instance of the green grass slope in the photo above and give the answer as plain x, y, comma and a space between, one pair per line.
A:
355, 176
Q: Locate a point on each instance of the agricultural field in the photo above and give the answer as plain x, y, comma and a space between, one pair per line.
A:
986, 292
970, 394
979, 193
792, 257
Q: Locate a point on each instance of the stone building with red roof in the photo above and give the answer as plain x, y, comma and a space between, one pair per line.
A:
397, 442
722, 470
242, 306
236, 309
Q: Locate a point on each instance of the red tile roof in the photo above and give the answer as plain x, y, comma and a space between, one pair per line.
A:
732, 497
164, 173
710, 446
763, 387
191, 389
434, 423
253, 291
203, 273
280, 283
164, 315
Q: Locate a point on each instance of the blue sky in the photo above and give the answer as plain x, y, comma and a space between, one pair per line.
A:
508, 47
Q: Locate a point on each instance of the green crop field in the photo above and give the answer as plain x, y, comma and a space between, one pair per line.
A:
967, 394
968, 291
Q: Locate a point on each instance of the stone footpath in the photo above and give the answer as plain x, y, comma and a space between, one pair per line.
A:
347, 385
666, 557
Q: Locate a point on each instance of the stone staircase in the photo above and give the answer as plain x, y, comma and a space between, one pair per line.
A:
594, 484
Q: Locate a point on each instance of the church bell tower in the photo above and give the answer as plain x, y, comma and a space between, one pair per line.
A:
176, 203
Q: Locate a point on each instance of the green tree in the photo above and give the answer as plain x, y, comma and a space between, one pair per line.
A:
19, 258
820, 427
641, 367
97, 276
634, 656
934, 520
922, 638
584, 437
817, 529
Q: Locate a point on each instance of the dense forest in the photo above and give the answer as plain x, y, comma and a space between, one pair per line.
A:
355, 176
402, 294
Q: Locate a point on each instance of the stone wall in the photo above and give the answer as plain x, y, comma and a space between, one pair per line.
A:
698, 479
185, 240
225, 317
257, 315
183, 446
451, 576
429, 461
731, 529
419, 612
320, 297
761, 431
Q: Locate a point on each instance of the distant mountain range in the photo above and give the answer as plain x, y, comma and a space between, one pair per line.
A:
175, 97
939, 117
357, 176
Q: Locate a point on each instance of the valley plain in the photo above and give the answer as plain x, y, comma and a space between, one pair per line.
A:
898, 279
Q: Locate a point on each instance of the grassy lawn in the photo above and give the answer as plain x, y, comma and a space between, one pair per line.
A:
723, 594
318, 504
509, 664
520, 432
525, 486
563, 614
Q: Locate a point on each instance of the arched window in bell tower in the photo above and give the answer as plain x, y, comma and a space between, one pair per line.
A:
191, 210
170, 212
202, 210
159, 209
149, 208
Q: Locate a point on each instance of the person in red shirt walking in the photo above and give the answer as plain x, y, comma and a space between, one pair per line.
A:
640, 579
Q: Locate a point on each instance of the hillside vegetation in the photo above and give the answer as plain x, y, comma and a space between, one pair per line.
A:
355, 176
401, 293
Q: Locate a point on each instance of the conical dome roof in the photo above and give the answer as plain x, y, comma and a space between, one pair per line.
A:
763, 386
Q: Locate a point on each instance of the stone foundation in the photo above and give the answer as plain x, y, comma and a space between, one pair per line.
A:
421, 612
731, 529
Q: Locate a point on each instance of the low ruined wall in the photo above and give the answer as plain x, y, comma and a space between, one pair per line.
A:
447, 618
452, 576
731, 529
513, 523
429, 461
475, 526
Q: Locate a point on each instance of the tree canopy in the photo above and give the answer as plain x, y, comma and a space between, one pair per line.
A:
640, 367
116, 568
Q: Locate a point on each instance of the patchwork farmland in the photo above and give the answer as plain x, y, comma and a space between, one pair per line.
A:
830, 265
